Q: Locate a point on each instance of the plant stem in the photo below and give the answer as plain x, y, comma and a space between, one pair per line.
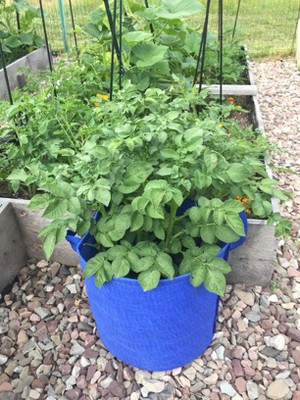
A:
178, 234
171, 223
102, 209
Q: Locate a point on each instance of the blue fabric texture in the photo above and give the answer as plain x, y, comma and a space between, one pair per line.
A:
160, 329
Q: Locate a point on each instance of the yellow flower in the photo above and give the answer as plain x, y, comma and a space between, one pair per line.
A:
239, 107
230, 100
245, 200
220, 126
101, 96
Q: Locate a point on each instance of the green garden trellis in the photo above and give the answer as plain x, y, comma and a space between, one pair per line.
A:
201, 54
63, 25
117, 44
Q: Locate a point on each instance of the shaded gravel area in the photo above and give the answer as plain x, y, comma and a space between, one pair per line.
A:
49, 348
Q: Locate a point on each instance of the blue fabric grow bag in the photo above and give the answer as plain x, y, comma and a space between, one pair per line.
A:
160, 329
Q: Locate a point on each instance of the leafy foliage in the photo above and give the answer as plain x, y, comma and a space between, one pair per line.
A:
163, 176
160, 47
144, 155
15, 43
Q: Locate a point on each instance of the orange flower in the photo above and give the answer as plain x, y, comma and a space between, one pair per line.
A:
248, 211
239, 107
230, 100
238, 198
245, 200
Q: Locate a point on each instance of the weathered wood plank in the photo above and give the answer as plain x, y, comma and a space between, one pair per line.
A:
253, 262
233, 90
37, 60
13, 254
31, 222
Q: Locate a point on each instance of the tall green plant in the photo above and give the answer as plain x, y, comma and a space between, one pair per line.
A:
160, 47
152, 152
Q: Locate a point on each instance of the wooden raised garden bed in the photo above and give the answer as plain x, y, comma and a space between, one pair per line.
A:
251, 264
36, 60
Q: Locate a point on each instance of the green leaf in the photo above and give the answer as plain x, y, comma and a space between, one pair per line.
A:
165, 171
103, 196
139, 204
74, 205
148, 54
218, 216
56, 209
100, 278
139, 171
235, 223
120, 267
226, 234
18, 174
177, 197
39, 201
165, 265
13, 41
122, 221
210, 250
144, 264
177, 9
92, 29
116, 234
186, 264
169, 153
188, 242
133, 260
26, 38
207, 233
132, 38
60, 189
49, 244
238, 172
234, 206
128, 188
198, 275
175, 246
148, 223
137, 221
104, 239
215, 281
260, 208
149, 279
221, 265
195, 214
155, 212
210, 160
53, 226
159, 230
93, 265
156, 197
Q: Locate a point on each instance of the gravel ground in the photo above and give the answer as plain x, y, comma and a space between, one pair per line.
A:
50, 350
